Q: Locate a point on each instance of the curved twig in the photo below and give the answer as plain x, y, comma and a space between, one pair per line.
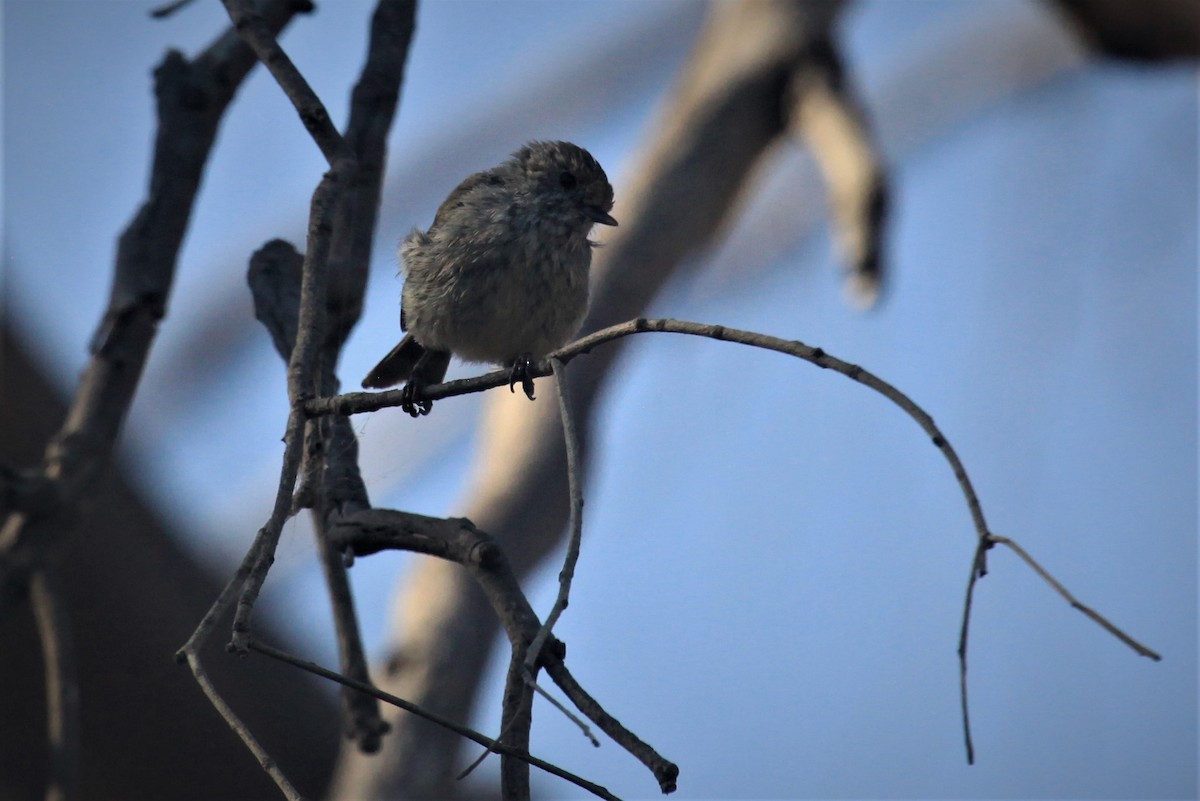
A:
358, 402
575, 531
265, 760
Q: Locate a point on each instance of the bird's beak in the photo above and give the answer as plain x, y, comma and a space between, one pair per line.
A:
597, 214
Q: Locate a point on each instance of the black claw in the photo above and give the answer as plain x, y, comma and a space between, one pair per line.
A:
410, 403
521, 367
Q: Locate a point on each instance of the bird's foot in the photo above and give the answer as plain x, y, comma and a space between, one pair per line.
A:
520, 372
411, 402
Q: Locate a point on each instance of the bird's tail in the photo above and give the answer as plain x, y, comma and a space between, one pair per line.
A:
397, 366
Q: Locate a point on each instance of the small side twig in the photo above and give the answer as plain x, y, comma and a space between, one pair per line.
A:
1057, 586
561, 707
1075, 602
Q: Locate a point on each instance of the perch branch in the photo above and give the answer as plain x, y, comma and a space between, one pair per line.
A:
357, 402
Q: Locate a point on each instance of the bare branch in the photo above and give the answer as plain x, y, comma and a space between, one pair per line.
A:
721, 120
373, 105
458, 540
516, 721
332, 483
331, 469
191, 101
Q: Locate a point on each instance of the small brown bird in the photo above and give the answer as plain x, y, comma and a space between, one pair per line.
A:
502, 274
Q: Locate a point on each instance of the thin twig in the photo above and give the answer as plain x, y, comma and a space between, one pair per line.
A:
234, 722
191, 99
1075, 602
1057, 586
561, 707
980, 547
408, 706
262, 551
575, 531
253, 29
486, 752
62, 684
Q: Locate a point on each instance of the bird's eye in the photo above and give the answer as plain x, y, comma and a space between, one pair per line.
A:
567, 180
